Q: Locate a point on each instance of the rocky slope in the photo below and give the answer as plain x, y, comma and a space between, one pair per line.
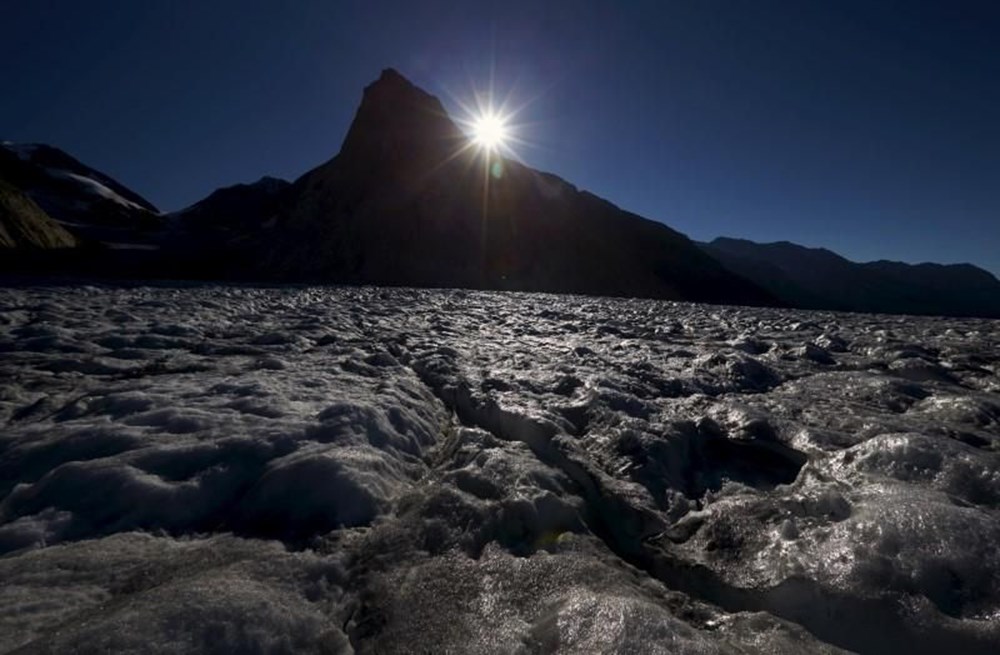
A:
24, 226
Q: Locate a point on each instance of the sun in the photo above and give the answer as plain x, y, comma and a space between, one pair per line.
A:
489, 131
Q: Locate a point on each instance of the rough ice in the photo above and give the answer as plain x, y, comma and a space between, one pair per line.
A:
218, 469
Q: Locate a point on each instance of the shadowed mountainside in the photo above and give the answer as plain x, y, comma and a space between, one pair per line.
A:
89, 203
208, 239
816, 278
408, 202
236, 208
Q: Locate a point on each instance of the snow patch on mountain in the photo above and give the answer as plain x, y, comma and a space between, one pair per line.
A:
94, 188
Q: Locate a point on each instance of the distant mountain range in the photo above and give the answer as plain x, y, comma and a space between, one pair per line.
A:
816, 278
407, 202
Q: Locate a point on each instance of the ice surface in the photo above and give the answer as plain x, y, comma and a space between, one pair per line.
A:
234, 469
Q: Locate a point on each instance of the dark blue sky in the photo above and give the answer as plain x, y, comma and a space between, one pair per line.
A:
871, 128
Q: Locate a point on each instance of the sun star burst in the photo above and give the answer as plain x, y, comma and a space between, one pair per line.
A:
489, 131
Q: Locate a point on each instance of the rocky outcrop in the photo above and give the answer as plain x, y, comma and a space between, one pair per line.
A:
24, 226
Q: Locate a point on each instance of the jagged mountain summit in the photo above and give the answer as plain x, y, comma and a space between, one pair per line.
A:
406, 201
816, 278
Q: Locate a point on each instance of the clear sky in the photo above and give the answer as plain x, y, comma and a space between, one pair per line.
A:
868, 127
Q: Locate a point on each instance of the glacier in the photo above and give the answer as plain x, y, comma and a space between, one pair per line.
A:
211, 468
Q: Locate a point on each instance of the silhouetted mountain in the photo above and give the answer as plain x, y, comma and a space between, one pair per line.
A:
236, 208
24, 226
816, 278
209, 238
88, 203
407, 201
410, 201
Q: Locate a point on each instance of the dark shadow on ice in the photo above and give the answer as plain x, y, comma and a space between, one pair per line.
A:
759, 464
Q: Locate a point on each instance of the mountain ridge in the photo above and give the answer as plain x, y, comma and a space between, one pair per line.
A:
818, 278
408, 200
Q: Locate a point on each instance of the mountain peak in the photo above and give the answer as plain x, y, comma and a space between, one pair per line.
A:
392, 76
391, 88
398, 119
271, 184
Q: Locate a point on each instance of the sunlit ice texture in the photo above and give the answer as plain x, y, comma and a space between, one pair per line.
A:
237, 469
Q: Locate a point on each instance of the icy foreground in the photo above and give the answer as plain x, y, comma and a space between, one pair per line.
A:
220, 469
